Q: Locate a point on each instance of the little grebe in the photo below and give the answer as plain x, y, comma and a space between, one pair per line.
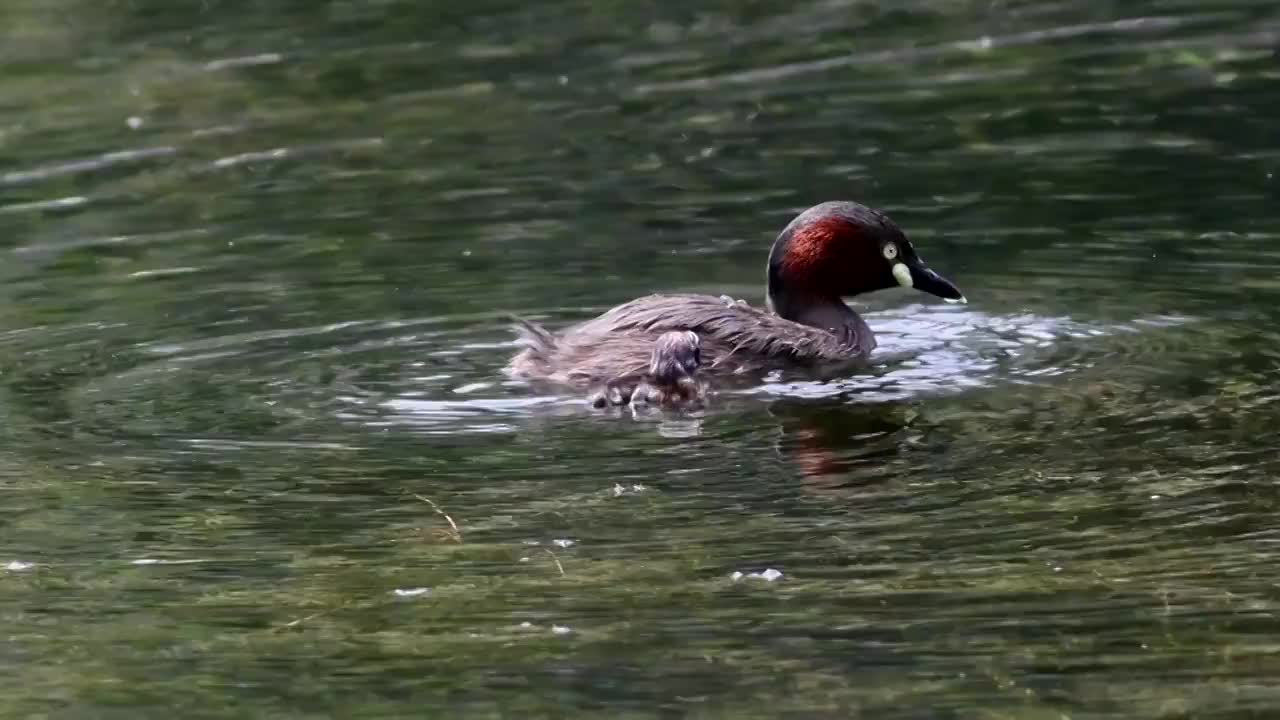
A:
670, 381
828, 252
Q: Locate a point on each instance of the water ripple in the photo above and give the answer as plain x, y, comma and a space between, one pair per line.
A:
86, 165
1130, 26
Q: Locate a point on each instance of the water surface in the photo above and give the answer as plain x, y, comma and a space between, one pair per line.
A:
260, 461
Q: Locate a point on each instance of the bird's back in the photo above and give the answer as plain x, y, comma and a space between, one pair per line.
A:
735, 338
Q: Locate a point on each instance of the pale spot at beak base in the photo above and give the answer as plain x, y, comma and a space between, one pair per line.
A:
902, 274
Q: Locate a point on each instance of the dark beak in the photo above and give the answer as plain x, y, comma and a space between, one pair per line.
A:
926, 280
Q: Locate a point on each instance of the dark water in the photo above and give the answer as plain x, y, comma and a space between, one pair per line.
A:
255, 262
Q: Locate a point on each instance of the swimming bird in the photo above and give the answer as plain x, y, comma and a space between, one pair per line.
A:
829, 252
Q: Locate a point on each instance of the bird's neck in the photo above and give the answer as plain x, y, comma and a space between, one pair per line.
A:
825, 313
822, 310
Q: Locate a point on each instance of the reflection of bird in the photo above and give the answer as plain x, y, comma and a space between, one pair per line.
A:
830, 251
837, 446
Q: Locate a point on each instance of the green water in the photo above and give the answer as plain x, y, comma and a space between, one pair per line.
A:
258, 460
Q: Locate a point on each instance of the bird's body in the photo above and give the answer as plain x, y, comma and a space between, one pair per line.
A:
828, 252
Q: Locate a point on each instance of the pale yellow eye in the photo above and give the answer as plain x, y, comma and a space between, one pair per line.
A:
890, 251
